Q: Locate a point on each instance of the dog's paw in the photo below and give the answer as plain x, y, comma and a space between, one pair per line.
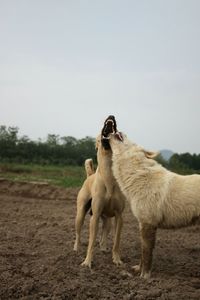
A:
136, 268
76, 247
145, 275
86, 263
103, 248
117, 261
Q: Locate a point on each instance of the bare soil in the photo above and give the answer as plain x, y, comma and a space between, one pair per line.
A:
37, 260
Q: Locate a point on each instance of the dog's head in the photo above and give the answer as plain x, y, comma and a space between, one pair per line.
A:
109, 129
118, 138
111, 136
110, 126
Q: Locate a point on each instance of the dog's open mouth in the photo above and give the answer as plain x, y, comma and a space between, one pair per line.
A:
110, 127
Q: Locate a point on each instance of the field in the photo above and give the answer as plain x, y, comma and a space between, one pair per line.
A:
37, 260
67, 176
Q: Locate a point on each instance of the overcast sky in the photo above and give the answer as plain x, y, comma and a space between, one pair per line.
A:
65, 65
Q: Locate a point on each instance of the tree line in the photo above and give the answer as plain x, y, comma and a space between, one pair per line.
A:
68, 150
184, 163
54, 149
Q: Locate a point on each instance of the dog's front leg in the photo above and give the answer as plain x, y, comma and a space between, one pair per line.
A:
94, 220
148, 237
118, 228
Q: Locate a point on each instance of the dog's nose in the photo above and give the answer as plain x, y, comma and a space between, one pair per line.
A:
111, 117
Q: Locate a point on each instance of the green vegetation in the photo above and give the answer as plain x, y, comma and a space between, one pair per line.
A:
59, 160
54, 150
66, 176
184, 163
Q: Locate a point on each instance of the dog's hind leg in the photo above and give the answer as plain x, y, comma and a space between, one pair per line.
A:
83, 205
148, 237
106, 226
118, 228
78, 226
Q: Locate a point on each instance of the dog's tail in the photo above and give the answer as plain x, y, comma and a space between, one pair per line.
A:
89, 167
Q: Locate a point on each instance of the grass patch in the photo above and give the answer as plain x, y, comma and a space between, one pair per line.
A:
63, 176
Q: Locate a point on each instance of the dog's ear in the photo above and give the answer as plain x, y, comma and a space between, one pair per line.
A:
150, 154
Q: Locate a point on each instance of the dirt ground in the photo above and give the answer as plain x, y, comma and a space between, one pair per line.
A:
37, 260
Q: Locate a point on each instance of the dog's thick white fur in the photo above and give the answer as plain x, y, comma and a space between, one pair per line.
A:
107, 201
158, 198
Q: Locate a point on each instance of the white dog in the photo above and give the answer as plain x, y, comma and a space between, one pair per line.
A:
158, 198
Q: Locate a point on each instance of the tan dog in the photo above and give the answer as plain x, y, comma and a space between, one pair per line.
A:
84, 199
107, 199
158, 198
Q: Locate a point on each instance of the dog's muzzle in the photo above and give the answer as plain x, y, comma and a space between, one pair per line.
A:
110, 127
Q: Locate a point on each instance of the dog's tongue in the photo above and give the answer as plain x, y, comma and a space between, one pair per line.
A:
119, 136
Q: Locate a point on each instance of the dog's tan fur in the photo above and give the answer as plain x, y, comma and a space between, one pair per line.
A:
107, 202
158, 198
83, 205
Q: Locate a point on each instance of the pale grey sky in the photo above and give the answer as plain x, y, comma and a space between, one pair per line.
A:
65, 65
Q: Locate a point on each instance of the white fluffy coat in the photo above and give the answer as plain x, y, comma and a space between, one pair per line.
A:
157, 196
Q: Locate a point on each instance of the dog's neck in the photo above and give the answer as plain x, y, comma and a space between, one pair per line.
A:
104, 158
